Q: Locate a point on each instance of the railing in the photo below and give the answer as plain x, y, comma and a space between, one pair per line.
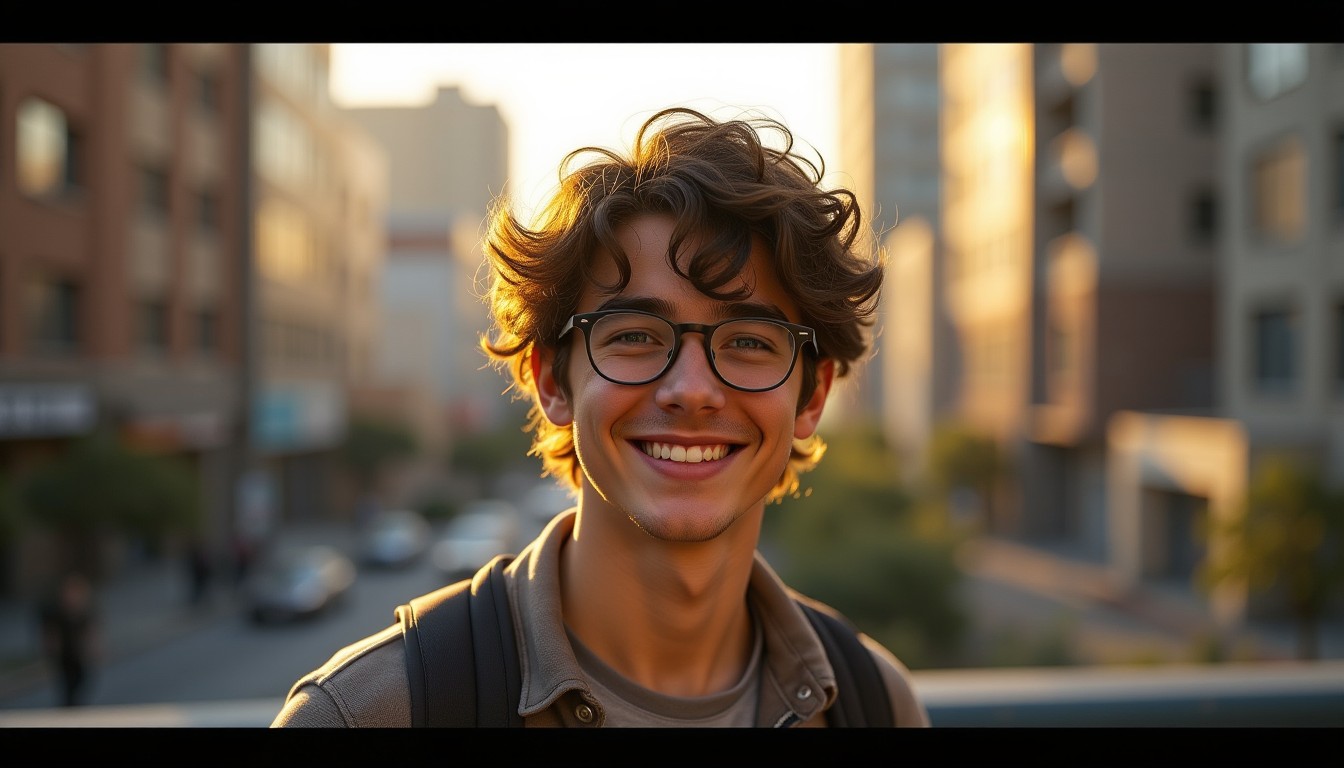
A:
1303, 694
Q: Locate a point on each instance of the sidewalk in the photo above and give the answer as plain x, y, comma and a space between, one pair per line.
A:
1176, 612
138, 610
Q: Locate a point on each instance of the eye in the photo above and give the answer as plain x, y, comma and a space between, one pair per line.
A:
747, 342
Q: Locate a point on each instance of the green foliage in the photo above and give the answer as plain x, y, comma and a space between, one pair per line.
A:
959, 457
1288, 534
371, 445
437, 509
100, 484
852, 540
490, 453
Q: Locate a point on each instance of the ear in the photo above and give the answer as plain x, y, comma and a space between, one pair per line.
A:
550, 396
805, 424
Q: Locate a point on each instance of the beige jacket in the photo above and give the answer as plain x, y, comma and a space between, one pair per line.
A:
364, 684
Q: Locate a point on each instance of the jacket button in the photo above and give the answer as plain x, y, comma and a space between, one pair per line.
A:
584, 713
804, 693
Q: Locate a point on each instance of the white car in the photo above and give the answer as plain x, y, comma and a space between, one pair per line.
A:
484, 528
394, 539
299, 582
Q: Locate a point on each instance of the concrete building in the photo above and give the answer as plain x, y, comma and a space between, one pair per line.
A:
1079, 241
889, 155
448, 162
1279, 319
321, 187
122, 234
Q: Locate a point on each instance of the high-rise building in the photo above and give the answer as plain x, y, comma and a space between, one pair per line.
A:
448, 161
320, 193
1079, 252
889, 155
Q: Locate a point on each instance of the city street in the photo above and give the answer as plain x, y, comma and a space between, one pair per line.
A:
226, 656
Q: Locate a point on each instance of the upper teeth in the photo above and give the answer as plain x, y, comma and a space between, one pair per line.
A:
691, 454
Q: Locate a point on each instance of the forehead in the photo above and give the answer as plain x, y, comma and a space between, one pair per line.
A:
645, 239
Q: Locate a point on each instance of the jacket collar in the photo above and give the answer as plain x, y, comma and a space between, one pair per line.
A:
798, 679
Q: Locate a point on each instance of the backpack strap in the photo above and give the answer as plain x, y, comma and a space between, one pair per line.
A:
461, 657
862, 699
473, 678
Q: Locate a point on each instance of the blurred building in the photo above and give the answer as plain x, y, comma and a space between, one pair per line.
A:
1129, 283
1279, 317
1079, 255
889, 156
448, 161
190, 239
122, 234
321, 189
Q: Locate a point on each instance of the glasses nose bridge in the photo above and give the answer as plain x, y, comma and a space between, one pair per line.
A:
679, 332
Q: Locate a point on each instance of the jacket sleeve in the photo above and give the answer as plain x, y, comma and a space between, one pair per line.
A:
362, 685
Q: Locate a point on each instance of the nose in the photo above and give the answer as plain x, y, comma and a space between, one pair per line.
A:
690, 383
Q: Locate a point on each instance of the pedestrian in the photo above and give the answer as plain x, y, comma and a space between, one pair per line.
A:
70, 635
200, 572
677, 316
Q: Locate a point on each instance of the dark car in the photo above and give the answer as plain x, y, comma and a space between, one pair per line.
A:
395, 538
299, 582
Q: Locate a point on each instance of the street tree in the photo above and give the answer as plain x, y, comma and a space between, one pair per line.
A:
100, 486
1287, 539
962, 459
371, 446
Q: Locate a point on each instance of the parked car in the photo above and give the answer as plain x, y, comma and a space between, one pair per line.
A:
394, 538
484, 528
298, 582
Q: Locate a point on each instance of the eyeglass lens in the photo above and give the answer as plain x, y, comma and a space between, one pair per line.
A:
633, 348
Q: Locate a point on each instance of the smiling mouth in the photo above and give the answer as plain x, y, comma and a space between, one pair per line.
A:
688, 454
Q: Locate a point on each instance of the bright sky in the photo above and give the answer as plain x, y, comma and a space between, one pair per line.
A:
556, 97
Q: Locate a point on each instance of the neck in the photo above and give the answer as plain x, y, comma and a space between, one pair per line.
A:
670, 616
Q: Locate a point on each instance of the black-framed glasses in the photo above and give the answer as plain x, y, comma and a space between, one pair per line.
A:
752, 354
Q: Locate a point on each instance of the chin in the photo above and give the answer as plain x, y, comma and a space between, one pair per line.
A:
675, 525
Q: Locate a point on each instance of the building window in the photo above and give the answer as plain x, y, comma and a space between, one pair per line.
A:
207, 92
1203, 216
1275, 68
53, 316
154, 63
207, 330
153, 191
152, 325
1060, 352
48, 150
1203, 98
1337, 174
1275, 338
207, 212
1279, 191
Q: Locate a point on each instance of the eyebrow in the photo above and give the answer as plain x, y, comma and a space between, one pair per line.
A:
723, 311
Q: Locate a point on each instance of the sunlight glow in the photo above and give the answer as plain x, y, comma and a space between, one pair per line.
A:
556, 97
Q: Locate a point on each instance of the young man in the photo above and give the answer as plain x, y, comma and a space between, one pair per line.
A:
677, 318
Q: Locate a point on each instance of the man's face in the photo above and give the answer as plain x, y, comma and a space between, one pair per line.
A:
688, 410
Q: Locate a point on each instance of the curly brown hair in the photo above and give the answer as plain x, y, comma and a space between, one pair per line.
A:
723, 184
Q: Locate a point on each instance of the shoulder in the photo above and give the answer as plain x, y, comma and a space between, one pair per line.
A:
361, 685
906, 705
